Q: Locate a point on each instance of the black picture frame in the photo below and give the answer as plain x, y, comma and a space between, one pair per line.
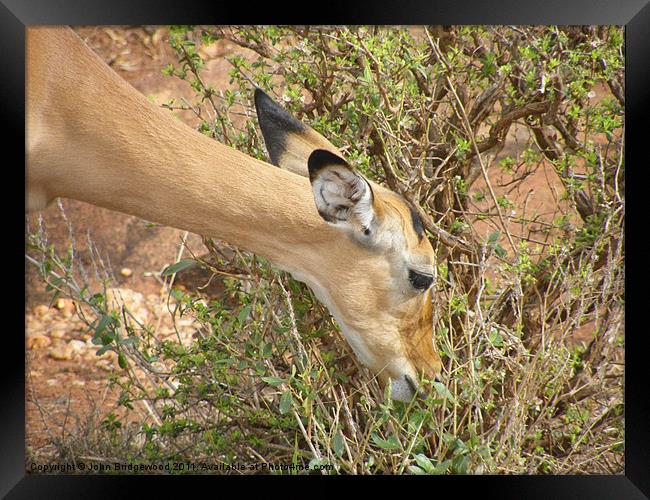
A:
15, 15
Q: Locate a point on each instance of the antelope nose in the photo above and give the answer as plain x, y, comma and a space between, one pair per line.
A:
435, 372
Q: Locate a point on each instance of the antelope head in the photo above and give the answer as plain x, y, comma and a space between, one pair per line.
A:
360, 247
377, 277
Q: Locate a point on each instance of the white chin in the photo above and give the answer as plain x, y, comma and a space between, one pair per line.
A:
401, 390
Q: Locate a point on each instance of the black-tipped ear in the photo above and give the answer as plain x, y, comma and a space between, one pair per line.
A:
276, 125
322, 158
288, 141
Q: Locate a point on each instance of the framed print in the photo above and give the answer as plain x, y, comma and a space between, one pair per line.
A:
392, 242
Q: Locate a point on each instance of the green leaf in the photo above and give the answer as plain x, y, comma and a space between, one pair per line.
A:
178, 266
338, 443
442, 390
415, 470
102, 350
121, 360
367, 75
286, 403
267, 350
461, 464
103, 323
386, 444
495, 339
424, 463
243, 314
498, 249
274, 381
442, 467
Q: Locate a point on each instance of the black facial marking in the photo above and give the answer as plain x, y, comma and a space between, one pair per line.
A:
321, 158
327, 217
417, 222
412, 385
276, 124
420, 281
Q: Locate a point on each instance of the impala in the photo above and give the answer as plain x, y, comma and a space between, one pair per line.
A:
360, 247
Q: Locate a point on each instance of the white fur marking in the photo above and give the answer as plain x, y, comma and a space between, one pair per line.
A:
343, 188
401, 390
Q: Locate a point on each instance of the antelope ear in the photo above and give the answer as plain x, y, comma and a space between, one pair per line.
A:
342, 196
288, 141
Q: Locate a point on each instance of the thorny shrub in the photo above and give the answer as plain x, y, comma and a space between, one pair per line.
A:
529, 302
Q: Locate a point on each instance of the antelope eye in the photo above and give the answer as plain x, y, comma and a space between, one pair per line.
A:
420, 281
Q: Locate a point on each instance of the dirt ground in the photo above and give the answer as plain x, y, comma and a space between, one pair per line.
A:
66, 381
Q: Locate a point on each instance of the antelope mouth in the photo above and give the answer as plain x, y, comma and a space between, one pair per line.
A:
414, 387
405, 388
411, 383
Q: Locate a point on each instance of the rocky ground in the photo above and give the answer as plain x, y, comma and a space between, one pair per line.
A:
66, 382
66, 378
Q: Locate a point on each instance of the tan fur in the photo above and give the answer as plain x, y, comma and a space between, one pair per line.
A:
92, 137
299, 146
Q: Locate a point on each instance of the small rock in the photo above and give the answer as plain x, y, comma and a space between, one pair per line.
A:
209, 51
57, 334
126, 272
147, 274
105, 364
77, 346
61, 353
37, 341
60, 324
80, 383
66, 306
41, 310
107, 356
159, 366
52, 381
34, 326
268, 393
133, 301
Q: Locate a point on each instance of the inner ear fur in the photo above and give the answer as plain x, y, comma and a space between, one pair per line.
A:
342, 196
289, 142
